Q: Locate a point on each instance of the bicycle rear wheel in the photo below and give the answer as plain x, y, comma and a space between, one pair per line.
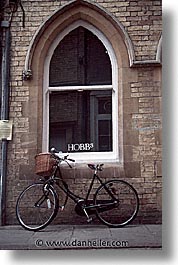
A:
37, 206
118, 203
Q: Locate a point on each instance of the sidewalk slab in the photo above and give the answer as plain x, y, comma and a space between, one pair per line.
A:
140, 236
81, 237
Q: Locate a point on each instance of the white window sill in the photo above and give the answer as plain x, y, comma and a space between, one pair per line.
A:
95, 157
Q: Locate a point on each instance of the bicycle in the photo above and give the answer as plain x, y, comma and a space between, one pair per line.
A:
115, 202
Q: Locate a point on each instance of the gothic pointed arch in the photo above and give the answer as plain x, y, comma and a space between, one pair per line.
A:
106, 28
68, 14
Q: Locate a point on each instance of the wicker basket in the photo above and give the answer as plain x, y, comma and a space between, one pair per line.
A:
44, 164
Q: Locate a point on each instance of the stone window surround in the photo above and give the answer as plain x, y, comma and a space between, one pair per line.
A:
89, 156
112, 29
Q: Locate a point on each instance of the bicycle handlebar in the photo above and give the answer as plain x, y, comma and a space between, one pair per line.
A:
72, 160
57, 153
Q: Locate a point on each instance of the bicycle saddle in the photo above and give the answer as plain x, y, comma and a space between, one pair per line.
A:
94, 167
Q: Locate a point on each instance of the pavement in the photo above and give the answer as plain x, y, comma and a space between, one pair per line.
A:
56, 237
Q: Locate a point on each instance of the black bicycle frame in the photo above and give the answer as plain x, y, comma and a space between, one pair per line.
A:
77, 198
65, 188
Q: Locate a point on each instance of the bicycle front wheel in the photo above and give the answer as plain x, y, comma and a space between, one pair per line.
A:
37, 206
117, 203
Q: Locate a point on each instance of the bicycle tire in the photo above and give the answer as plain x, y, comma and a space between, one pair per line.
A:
37, 206
119, 211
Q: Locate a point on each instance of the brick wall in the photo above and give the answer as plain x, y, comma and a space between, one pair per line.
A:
141, 107
142, 20
148, 124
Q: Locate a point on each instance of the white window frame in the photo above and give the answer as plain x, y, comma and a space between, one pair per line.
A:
110, 156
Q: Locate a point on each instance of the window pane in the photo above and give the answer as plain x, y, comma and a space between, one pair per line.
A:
104, 105
81, 121
104, 135
98, 64
80, 59
64, 65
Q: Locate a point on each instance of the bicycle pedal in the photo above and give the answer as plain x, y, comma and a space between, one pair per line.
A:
89, 220
62, 208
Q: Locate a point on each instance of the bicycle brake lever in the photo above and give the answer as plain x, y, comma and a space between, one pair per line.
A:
68, 164
72, 160
53, 150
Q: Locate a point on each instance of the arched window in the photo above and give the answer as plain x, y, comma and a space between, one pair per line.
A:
80, 95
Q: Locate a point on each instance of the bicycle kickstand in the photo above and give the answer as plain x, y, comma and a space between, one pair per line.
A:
89, 219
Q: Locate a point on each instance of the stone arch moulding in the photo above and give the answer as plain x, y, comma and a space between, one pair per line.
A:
94, 14
159, 51
66, 15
